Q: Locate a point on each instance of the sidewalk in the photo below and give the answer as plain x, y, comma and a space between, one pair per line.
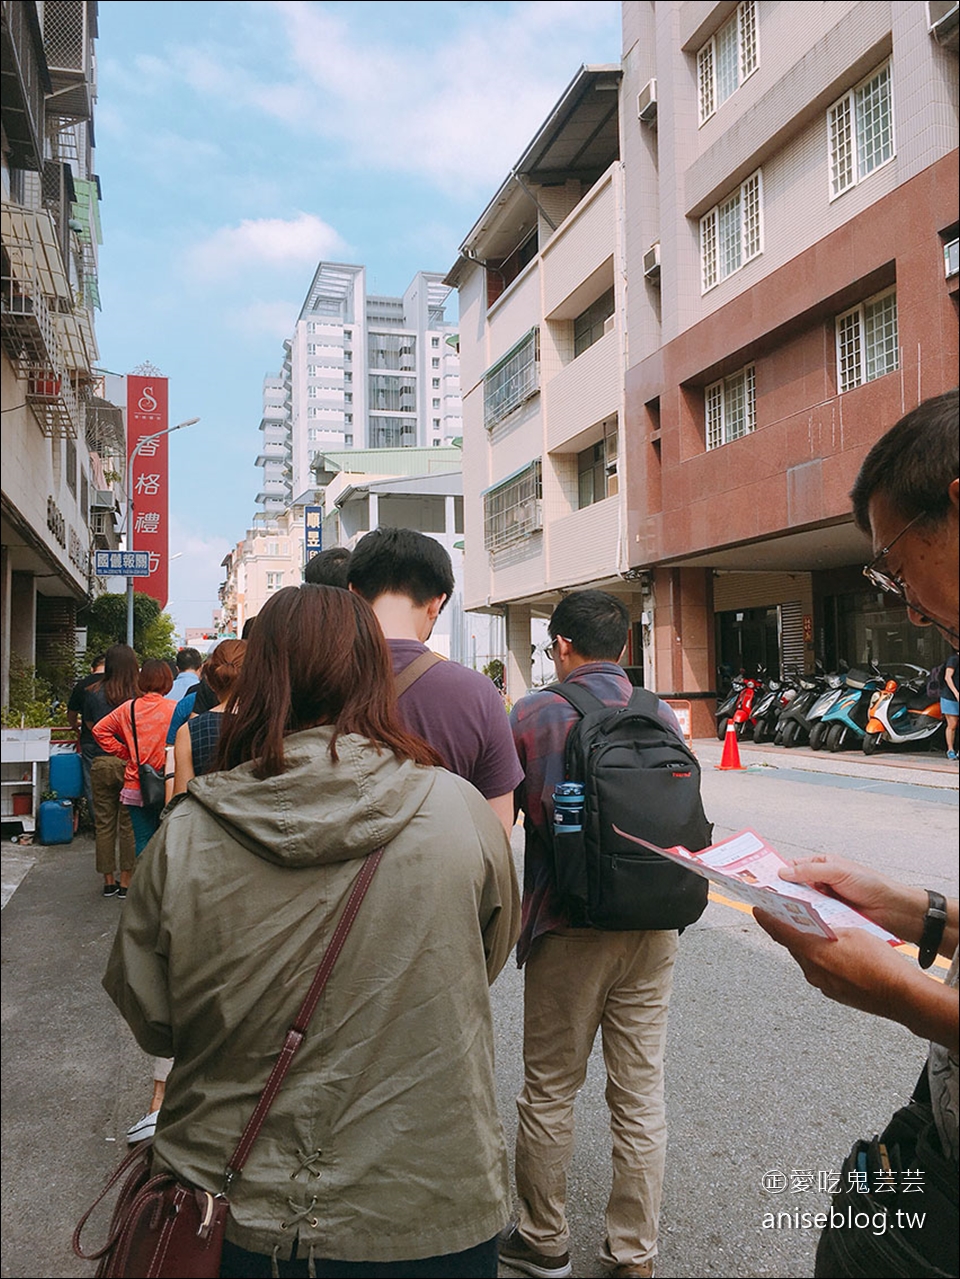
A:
918, 768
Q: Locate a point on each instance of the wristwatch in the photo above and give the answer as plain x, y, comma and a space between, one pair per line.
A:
934, 922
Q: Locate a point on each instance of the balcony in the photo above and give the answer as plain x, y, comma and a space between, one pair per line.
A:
580, 247
24, 82
585, 392
585, 545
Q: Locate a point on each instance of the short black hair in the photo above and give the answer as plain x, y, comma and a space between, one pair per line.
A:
401, 561
189, 659
914, 464
595, 623
328, 568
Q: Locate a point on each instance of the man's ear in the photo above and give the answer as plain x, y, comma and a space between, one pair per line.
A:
434, 606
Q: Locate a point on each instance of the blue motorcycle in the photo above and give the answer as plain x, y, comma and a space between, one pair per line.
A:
845, 722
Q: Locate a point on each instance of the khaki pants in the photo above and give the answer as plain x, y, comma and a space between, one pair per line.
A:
577, 980
110, 817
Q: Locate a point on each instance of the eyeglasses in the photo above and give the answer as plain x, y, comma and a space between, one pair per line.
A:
552, 646
887, 581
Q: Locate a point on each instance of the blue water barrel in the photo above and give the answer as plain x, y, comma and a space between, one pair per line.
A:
56, 821
66, 775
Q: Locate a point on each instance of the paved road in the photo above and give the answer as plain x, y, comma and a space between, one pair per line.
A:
763, 1072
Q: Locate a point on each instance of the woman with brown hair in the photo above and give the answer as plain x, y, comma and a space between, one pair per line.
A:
145, 718
195, 747
383, 1152
117, 685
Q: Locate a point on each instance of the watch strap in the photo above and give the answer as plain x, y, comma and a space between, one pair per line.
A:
934, 922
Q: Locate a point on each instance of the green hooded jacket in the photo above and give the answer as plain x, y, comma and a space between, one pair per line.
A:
384, 1143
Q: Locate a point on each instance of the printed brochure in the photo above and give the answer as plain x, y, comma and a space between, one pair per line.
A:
747, 868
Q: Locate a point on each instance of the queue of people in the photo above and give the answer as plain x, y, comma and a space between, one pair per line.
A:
335, 734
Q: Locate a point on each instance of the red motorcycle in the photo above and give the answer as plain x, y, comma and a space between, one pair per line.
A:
737, 707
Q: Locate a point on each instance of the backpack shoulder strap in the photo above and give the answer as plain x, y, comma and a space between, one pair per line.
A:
410, 674
580, 698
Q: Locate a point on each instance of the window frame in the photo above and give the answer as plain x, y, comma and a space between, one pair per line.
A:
521, 492
849, 101
862, 339
518, 384
746, 21
717, 394
711, 233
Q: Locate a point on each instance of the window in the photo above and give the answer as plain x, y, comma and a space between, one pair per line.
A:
511, 509
731, 233
597, 470
435, 343
348, 377
312, 370
311, 392
860, 132
348, 419
435, 404
731, 408
436, 383
590, 325
727, 59
867, 341
311, 346
435, 364
513, 380
436, 424
313, 412
348, 397
274, 582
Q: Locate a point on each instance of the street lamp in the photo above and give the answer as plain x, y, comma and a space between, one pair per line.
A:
144, 440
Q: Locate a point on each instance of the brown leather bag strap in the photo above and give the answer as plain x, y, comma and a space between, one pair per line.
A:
296, 1032
410, 674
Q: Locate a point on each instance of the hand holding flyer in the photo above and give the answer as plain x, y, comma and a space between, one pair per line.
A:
747, 868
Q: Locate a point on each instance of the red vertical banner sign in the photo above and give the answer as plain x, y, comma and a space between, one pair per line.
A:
149, 479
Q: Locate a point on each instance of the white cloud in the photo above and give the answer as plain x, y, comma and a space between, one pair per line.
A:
274, 320
272, 242
459, 112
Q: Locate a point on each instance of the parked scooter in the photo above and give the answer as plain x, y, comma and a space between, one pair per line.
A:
844, 722
768, 708
902, 711
794, 725
737, 707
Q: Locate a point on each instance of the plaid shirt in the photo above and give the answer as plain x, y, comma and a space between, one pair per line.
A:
540, 723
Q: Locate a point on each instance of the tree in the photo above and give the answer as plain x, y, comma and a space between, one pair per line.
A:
106, 623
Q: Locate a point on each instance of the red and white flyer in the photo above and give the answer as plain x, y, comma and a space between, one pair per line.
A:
747, 868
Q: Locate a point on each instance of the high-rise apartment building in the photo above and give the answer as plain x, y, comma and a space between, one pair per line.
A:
359, 371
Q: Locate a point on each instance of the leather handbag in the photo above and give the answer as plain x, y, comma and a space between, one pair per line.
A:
152, 782
163, 1228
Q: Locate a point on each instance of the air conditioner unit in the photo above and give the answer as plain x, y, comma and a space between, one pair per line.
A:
651, 262
647, 102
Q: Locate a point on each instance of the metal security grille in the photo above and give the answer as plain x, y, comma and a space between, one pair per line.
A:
512, 510
513, 380
63, 32
791, 636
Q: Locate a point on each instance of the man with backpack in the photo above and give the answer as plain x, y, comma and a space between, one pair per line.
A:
587, 963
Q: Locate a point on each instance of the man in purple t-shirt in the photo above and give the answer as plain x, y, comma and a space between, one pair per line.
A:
407, 577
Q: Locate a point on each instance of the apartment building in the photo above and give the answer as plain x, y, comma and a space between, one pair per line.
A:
63, 442
790, 177
781, 244
359, 371
542, 286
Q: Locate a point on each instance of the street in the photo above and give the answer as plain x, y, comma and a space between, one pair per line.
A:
763, 1073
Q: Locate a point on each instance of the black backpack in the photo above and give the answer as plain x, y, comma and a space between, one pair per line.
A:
639, 775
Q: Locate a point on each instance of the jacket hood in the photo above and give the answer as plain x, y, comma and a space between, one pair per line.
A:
318, 811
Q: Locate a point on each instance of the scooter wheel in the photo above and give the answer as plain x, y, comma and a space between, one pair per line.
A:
721, 729
761, 730
870, 742
836, 737
789, 737
817, 734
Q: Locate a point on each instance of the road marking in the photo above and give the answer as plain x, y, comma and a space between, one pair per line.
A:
906, 948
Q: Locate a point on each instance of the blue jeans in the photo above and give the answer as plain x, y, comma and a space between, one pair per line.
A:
145, 822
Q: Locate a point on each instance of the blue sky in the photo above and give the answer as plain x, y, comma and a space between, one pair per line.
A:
238, 144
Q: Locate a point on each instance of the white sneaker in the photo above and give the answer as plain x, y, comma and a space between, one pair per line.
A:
144, 1128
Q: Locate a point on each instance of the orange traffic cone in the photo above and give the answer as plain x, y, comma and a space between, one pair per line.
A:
731, 750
